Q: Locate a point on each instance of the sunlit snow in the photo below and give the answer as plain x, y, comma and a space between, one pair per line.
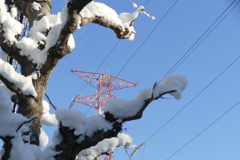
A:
23, 83
121, 108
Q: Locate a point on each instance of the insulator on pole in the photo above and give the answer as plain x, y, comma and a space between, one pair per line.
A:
74, 100
136, 149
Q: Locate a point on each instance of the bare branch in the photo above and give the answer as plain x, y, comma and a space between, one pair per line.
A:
50, 101
30, 120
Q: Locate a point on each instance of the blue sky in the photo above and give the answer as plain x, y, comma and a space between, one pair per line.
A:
158, 45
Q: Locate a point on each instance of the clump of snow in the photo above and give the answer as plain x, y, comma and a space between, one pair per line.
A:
72, 119
47, 118
50, 151
127, 108
97, 122
106, 146
36, 6
9, 124
21, 151
134, 4
98, 9
22, 82
5, 105
43, 138
37, 35
121, 108
3, 55
175, 82
71, 42
13, 11
57, 137
10, 26
124, 20
24, 151
81, 124
128, 18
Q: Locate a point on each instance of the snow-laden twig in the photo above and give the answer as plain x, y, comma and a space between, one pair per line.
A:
50, 101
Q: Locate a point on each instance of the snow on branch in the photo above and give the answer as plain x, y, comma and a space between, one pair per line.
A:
47, 118
107, 146
132, 109
23, 83
121, 24
77, 133
9, 25
12, 126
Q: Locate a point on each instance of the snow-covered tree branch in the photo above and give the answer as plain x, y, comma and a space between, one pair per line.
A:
37, 40
122, 24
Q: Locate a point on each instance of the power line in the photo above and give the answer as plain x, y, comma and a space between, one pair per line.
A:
203, 130
194, 98
146, 38
146, 3
166, 49
203, 39
200, 37
170, 44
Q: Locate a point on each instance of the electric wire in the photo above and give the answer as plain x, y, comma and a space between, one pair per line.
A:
204, 130
200, 37
199, 94
145, 74
146, 3
194, 98
147, 38
203, 39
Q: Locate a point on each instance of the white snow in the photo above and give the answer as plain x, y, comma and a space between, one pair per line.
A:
13, 11
127, 18
9, 124
37, 35
80, 123
10, 26
106, 146
22, 82
97, 122
3, 55
36, 6
47, 118
43, 138
49, 152
175, 82
24, 151
124, 20
94, 9
72, 119
126, 108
